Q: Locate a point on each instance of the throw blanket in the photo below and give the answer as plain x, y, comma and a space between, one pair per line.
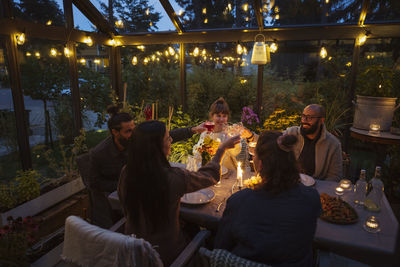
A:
223, 258
90, 245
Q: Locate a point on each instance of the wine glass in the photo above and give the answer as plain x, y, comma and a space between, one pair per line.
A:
209, 125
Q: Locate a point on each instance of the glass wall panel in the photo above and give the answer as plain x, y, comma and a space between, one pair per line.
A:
46, 88
95, 90
43, 12
215, 14
10, 161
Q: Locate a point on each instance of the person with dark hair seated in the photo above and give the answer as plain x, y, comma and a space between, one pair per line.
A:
274, 223
110, 155
150, 189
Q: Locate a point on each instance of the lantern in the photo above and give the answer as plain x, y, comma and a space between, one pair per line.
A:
261, 52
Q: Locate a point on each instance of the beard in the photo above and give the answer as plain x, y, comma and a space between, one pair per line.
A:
123, 142
311, 130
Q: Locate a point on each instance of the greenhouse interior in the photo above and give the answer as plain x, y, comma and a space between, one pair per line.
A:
199, 133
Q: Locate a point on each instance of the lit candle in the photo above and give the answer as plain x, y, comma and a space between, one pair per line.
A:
239, 175
372, 224
374, 128
339, 191
345, 184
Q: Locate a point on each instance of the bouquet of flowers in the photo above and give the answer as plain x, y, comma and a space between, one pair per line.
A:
206, 147
249, 118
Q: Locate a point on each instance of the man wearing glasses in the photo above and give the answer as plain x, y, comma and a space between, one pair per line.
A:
318, 152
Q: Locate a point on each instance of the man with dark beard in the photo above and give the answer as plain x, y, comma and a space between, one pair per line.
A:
318, 152
110, 155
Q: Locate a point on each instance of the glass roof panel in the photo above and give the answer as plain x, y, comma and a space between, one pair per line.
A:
305, 12
383, 11
51, 13
81, 22
197, 15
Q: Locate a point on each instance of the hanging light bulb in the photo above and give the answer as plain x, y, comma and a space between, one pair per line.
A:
180, 13
244, 50
119, 23
229, 6
166, 53
171, 51
348, 64
151, 23
323, 53
37, 54
196, 51
277, 16
145, 60
239, 49
49, 22
204, 11
176, 56
67, 52
53, 52
141, 47
20, 38
147, 11
82, 61
204, 52
361, 39
205, 20
28, 54
273, 47
153, 57
88, 41
114, 42
245, 7
96, 61
134, 60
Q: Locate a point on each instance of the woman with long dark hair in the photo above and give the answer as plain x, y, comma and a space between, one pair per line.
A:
150, 189
275, 223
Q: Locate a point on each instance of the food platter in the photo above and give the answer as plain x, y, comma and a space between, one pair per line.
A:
337, 211
199, 197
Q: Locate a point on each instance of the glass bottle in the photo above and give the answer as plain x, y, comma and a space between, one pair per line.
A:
373, 200
360, 189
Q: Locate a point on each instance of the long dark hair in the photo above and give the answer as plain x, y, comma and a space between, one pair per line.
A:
279, 168
146, 184
116, 118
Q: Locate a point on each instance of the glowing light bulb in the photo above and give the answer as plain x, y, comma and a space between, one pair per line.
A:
141, 47
180, 12
204, 52
82, 61
229, 6
323, 53
277, 16
28, 54
204, 11
348, 64
147, 11
67, 52
166, 53
119, 23
205, 21
145, 60
53, 52
20, 38
244, 50
273, 47
49, 22
171, 51
196, 51
37, 54
361, 39
96, 61
239, 49
134, 60
88, 41
245, 7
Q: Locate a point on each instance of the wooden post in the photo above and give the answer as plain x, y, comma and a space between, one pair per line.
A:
116, 70
73, 70
182, 66
260, 73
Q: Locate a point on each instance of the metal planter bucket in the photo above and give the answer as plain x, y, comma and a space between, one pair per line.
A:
374, 110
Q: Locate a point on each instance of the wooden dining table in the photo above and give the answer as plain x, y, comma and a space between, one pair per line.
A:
351, 241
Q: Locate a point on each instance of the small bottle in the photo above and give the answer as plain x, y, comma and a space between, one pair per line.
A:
360, 189
374, 198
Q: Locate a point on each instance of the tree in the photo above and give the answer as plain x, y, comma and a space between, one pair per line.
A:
40, 11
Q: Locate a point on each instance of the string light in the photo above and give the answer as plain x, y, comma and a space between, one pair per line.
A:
229, 6
145, 60
151, 23
28, 54
277, 16
176, 56
53, 52
88, 41
37, 54
239, 49
119, 23
82, 61
20, 38
141, 47
134, 60
67, 52
244, 50
204, 11
114, 42
196, 51
273, 47
327, 1
348, 64
276, 9
147, 11
96, 61
329, 58
245, 7
362, 39
171, 51
153, 57
205, 20
180, 13
204, 52
49, 22
166, 53
323, 53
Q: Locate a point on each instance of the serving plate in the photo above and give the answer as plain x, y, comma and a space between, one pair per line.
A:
199, 197
306, 179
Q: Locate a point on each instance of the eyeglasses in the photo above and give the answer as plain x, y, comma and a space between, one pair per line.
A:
309, 117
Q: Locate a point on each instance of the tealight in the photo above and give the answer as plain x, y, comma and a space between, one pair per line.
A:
372, 225
374, 129
345, 184
339, 191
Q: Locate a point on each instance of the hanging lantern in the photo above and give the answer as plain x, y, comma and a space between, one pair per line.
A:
259, 55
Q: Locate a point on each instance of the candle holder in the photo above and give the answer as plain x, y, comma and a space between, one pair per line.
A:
345, 184
374, 129
371, 224
339, 191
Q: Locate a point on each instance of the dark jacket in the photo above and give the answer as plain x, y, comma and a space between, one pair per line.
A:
275, 230
106, 161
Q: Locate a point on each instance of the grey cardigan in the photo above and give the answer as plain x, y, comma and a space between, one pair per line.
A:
328, 154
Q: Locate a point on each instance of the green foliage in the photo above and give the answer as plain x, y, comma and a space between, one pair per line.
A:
24, 187
8, 131
180, 150
279, 120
